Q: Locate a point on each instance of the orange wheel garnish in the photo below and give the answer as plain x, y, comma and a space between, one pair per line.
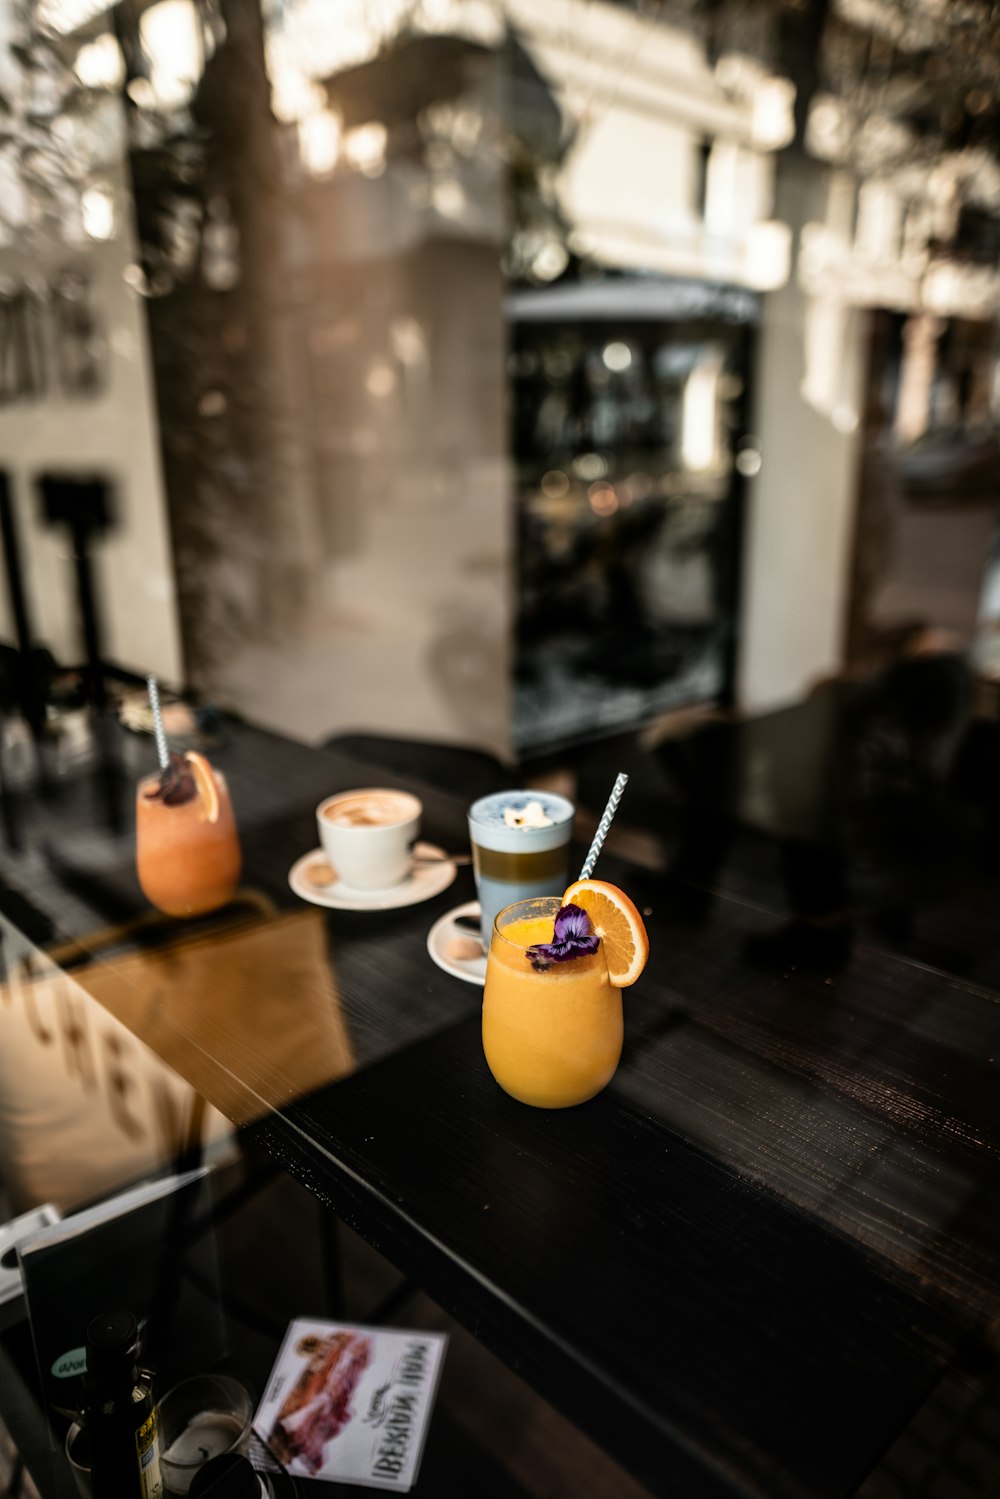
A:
618, 924
204, 779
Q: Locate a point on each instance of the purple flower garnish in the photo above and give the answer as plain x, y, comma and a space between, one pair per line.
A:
574, 938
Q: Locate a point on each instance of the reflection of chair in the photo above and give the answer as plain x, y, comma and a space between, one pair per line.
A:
913, 716
105, 1069
445, 767
85, 1107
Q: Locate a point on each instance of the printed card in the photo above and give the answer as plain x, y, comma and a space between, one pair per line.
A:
351, 1403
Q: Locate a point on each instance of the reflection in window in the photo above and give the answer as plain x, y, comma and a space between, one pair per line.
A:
624, 438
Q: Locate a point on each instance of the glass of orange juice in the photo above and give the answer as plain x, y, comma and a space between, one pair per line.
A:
187, 851
553, 1037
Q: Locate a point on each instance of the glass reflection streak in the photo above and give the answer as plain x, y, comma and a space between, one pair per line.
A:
514, 864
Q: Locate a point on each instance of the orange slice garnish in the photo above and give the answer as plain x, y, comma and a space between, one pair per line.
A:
618, 924
204, 779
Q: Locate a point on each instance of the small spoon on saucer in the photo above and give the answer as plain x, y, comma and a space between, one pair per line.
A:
467, 924
322, 874
469, 947
442, 859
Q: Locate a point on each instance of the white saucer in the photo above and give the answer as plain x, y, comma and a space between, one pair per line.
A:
423, 881
443, 932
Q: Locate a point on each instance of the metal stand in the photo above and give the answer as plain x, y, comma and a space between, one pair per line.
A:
83, 507
31, 675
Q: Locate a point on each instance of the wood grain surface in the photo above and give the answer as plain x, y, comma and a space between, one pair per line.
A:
740, 1268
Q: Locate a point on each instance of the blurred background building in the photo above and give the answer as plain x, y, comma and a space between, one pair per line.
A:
498, 372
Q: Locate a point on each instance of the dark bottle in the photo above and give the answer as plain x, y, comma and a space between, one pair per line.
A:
121, 1420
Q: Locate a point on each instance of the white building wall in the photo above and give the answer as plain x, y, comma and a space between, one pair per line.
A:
796, 566
642, 97
113, 433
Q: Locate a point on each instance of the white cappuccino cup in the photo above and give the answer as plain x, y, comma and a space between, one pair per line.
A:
367, 835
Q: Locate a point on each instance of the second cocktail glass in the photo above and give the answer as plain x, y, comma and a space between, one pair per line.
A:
187, 850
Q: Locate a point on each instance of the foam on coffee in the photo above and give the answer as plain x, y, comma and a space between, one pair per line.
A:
369, 809
491, 826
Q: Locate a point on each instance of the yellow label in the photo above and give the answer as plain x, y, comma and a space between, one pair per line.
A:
147, 1447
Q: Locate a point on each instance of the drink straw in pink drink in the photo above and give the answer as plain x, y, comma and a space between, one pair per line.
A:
159, 734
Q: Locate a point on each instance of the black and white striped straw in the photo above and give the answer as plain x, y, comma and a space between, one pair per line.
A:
162, 751
603, 825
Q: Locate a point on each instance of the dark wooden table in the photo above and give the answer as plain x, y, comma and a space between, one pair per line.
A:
743, 1266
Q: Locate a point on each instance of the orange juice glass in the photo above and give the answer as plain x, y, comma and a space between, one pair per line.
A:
186, 863
551, 1039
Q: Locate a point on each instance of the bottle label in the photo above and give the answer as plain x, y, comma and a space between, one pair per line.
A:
147, 1446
